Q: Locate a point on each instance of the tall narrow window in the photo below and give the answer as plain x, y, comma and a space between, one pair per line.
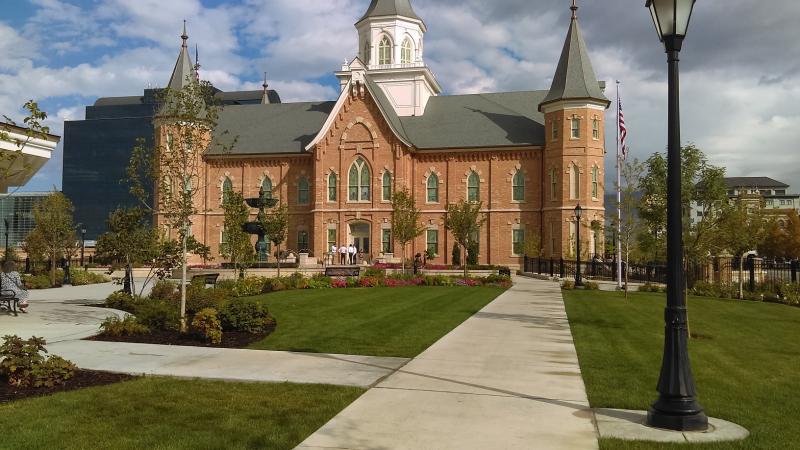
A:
554, 126
385, 51
303, 188
227, 189
576, 128
266, 186
518, 241
331, 237
406, 51
386, 240
332, 187
553, 184
473, 187
595, 183
518, 186
433, 188
302, 240
359, 181
387, 186
595, 129
433, 241
574, 182
367, 53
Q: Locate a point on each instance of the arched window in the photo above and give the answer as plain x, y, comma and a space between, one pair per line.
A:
359, 181
595, 183
302, 241
433, 189
574, 182
385, 51
518, 187
266, 186
595, 129
576, 127
473, 187
387, 186
332, 187
406, 52
303, 188
553, 184
227, 189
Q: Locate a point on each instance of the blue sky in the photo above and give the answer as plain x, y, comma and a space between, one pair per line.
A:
740, 69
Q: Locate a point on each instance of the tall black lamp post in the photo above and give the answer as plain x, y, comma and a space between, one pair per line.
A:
5, 257
83, 243
578, 215
677, 407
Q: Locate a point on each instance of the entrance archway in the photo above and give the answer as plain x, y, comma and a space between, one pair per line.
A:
359, 234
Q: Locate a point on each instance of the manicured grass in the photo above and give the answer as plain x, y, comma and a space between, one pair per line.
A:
159, 413
745, 357
371, 321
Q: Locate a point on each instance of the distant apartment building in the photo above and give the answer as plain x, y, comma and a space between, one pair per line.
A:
774, 196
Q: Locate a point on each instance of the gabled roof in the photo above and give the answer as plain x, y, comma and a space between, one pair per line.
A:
380, 8
754, 182
574, 78
386, 108
277, 128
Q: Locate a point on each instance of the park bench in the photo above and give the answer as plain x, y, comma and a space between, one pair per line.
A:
8, 298
342, 271
207, 278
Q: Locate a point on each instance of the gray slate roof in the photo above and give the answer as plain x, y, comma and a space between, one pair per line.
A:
270, 129
182, 71
379, 8
754, 182
574, 77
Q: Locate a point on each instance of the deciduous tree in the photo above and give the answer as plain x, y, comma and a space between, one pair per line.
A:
275, 224
54, 234
464, 220
406, 221
130, 238
236, 246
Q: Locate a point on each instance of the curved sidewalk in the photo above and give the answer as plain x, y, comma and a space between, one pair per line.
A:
507, 378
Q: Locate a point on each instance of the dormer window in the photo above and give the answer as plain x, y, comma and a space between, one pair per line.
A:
385, 51
406, 52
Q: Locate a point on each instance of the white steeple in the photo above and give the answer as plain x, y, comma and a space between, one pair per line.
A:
391, 46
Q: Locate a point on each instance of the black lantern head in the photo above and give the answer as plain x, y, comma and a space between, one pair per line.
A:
578, 211
671, 18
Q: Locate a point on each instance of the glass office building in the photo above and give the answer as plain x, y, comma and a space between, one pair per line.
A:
17, 209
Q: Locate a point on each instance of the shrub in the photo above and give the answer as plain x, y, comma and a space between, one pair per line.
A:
352, 282
648, 287
24, 365
123, 302
437, 280
591, 286
373, 272
246, 315
158, 315
207, 324
339, 284
129, 326
37, 281
163, 290
273, 285
790, 293
82, 277
568, 285
319, 281
199, 298
370, 282
491, 279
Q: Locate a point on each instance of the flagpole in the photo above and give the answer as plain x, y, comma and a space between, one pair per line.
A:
619, 201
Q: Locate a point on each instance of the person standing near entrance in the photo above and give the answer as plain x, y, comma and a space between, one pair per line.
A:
333, 254
351, 250
342, 255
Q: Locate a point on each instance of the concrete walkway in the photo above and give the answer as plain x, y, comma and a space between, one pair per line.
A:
228, 364
56, 322
507, 378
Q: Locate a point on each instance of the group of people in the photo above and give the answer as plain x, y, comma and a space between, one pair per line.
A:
346, 254
11, 284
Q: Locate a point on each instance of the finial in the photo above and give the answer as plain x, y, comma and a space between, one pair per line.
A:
265, 85
184, 36
197, 62
574, 9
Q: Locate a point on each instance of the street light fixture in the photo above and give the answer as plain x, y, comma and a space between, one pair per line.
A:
83, 243
677, 407
578, 215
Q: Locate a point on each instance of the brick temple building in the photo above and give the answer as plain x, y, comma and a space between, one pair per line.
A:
529, 157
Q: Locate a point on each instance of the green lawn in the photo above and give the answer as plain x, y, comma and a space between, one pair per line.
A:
745, 357
159, 413
371, 321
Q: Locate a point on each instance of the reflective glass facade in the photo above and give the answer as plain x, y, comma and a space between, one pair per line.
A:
18, 209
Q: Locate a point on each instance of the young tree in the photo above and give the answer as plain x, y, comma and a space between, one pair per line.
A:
12, 162
743, 230
275, 224
406, 221
236, 246
174, 166
130, 239
54, 233
464, 220
532, 246
630, 226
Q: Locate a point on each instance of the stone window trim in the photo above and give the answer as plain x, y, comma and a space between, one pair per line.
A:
225, 178
595, 180
303, 184
515, 228
576, 181
596, 127
385, 172
385, 49
332, 175
554, 131
407, 50
432, 172
518, 178
473, 174
370, 128
554, 184
436, 235
265, 176
575, 127
359, 193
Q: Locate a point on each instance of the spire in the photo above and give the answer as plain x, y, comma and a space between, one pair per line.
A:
265, 95
183, 67
574, 78
196, 62
380, 8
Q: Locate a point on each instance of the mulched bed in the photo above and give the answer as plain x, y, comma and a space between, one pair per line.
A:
230, 339
82, 379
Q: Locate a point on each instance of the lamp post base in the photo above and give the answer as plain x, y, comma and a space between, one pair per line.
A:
694, 421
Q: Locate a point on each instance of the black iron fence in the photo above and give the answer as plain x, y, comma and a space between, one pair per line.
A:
756, 274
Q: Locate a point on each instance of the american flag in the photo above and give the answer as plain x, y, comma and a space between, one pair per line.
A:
623, 132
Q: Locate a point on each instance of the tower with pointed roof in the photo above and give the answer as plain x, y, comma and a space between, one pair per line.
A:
391, 49
184, 70
573, 167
